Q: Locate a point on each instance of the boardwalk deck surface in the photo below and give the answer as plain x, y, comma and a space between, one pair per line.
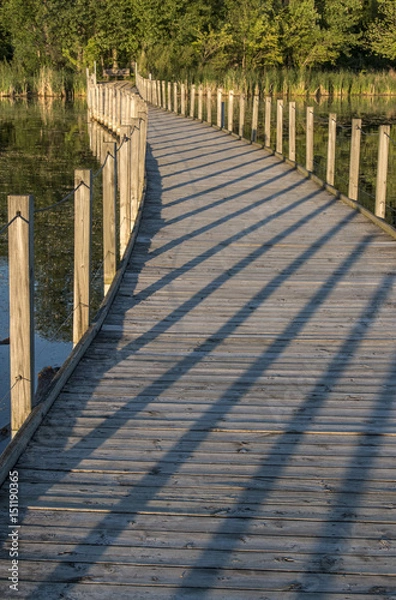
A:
231, 432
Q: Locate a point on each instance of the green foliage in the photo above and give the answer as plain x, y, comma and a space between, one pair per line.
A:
382, 33
175, 38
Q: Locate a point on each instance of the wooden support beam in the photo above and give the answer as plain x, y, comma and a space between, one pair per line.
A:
331, 149
21, 294
267, 124
382, 171
230, 115
354, 162
109, 214
256, 99
292, 131
279, 126
309, 158
82, 251
242, 109
125, 187
219, 108
192, 101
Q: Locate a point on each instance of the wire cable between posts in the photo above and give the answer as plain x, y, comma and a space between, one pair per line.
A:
391, 139
3, 230
65, 199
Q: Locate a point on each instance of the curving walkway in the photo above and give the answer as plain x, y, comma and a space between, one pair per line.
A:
231, 432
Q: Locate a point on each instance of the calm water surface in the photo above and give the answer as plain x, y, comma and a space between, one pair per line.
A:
41, 144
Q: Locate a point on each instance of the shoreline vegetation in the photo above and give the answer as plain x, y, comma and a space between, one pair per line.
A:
295, 48
295, 83
47, 82
50, 82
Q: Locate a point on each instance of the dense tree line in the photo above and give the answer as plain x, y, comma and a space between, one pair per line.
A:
175, 35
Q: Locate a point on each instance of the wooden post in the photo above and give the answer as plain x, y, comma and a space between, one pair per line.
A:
125, 188
163, 95
331, 149
158, 93
175, 103
292, 131
231, 111
279, 126
310, 140
169, 96
192, 101
21, 293
209, 106
135, 150
112, 108
353, 189
242, 107
183, 99
219, 107
142, 146
382, 171
200, 102
82, 251
109, 214
267, 124
255, 115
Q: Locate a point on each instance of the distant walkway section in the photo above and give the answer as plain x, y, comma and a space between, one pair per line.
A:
231, 432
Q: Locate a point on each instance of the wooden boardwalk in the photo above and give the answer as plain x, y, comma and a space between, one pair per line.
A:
231, 432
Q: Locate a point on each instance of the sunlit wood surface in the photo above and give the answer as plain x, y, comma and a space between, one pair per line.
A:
231, 432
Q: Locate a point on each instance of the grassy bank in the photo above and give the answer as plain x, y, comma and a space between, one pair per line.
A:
48, 82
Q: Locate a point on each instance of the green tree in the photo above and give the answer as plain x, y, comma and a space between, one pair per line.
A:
382, 33
253, 27
301, 34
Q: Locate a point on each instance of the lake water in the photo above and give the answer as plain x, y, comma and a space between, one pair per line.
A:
41, 144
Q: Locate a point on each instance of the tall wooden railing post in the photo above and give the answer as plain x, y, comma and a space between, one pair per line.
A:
159, 94
382, 171
292, 131
242, 108
209, 106
125, 187
331, 149
267, 124
230, 111
82, 251
256, 99
279, 126
169, 96
109, 214
21, 286
219, 108
175, 102
142, 146
183, 99
309, 159
200, 102
192, 101
135, 158
354, 162
163, 94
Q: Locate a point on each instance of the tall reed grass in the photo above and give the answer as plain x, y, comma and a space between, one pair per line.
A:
301, 82
46, 83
